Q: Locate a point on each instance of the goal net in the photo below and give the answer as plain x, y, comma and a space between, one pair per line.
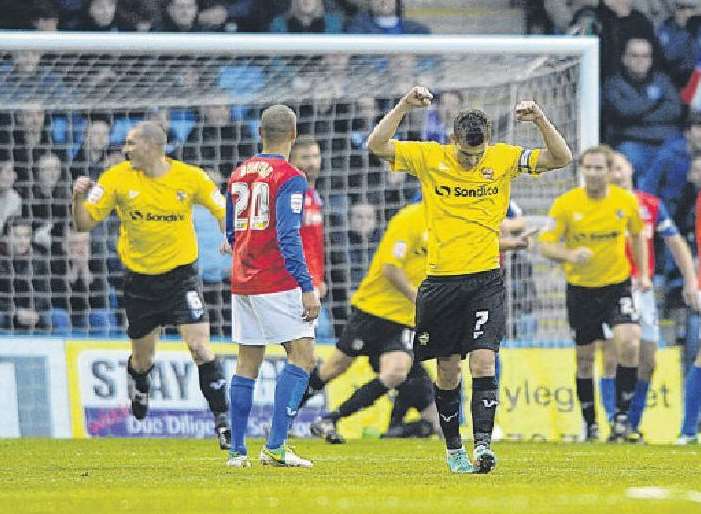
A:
68, 101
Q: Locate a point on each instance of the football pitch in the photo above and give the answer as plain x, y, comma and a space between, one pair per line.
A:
364, 476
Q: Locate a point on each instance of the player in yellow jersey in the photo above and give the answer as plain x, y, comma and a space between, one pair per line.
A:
381, 323
153, 196
588, 237
460, 305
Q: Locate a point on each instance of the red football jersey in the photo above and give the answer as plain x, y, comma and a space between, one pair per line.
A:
258, 266
312, 232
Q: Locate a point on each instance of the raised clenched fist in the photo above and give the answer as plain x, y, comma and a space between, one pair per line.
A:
417, 97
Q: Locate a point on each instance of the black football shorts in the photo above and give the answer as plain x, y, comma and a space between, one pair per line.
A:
170, 298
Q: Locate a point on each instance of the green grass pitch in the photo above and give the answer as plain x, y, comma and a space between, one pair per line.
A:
365, 476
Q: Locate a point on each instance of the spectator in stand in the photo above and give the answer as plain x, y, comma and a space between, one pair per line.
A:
678, 38
385, 17
620, 22
641, 108
213, 266
26, 77
555, 16
24, 281
307, 16
43, 15
80, 294
49, 201
139, 15
217, 140
30, 139
177, 124
88, 160
350, 253
214, 16
180, 16
666, 175
363, 237
69, 13
439, 121
99, 16
10, 200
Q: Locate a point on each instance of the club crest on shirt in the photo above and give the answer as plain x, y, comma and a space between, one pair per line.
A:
619, 214
488, 173
181, 195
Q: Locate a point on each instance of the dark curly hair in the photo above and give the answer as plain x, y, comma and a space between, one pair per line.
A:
472, 127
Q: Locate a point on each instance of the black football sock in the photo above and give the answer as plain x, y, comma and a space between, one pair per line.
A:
141, 378
626, 378
448, 406
316, 384
585, 395
363, 397
213, 386
485, 398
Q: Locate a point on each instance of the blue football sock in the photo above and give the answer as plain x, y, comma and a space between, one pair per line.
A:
291, 384
692, 401
608, 396
240, 403
637, 404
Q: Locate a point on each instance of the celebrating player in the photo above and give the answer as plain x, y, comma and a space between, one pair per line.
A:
588, 237
381, 323
460, 305
273, 299
153, 196
656, 220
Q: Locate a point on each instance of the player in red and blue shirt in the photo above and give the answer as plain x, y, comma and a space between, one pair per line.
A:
273, 299
306, 156
656, 220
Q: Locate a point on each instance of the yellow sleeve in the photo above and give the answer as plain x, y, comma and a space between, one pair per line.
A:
635, 222
208, 194
397, 242
409, 157
102, 198
558, 224
526, 161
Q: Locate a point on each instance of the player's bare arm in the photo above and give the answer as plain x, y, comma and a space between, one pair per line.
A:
398, 278
380, 141
81, 217
685, 263
558, 252
557, 153
639, 246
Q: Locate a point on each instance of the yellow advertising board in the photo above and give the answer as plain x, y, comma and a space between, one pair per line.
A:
537, 394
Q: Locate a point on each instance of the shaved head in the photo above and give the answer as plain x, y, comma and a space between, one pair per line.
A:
152, 133
278, 125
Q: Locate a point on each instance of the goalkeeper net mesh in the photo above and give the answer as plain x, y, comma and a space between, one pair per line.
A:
67, 114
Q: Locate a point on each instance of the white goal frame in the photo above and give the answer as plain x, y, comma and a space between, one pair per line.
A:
586, 48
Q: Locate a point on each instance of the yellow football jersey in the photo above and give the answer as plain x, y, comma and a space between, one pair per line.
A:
464, 207
404, 246
156, 232
600, 225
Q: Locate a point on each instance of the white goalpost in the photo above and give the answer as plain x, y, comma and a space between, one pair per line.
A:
209, 89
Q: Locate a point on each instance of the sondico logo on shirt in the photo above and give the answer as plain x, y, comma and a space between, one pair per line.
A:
166, 218
463, 192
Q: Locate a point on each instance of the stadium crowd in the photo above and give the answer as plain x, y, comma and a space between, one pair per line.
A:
650, 112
